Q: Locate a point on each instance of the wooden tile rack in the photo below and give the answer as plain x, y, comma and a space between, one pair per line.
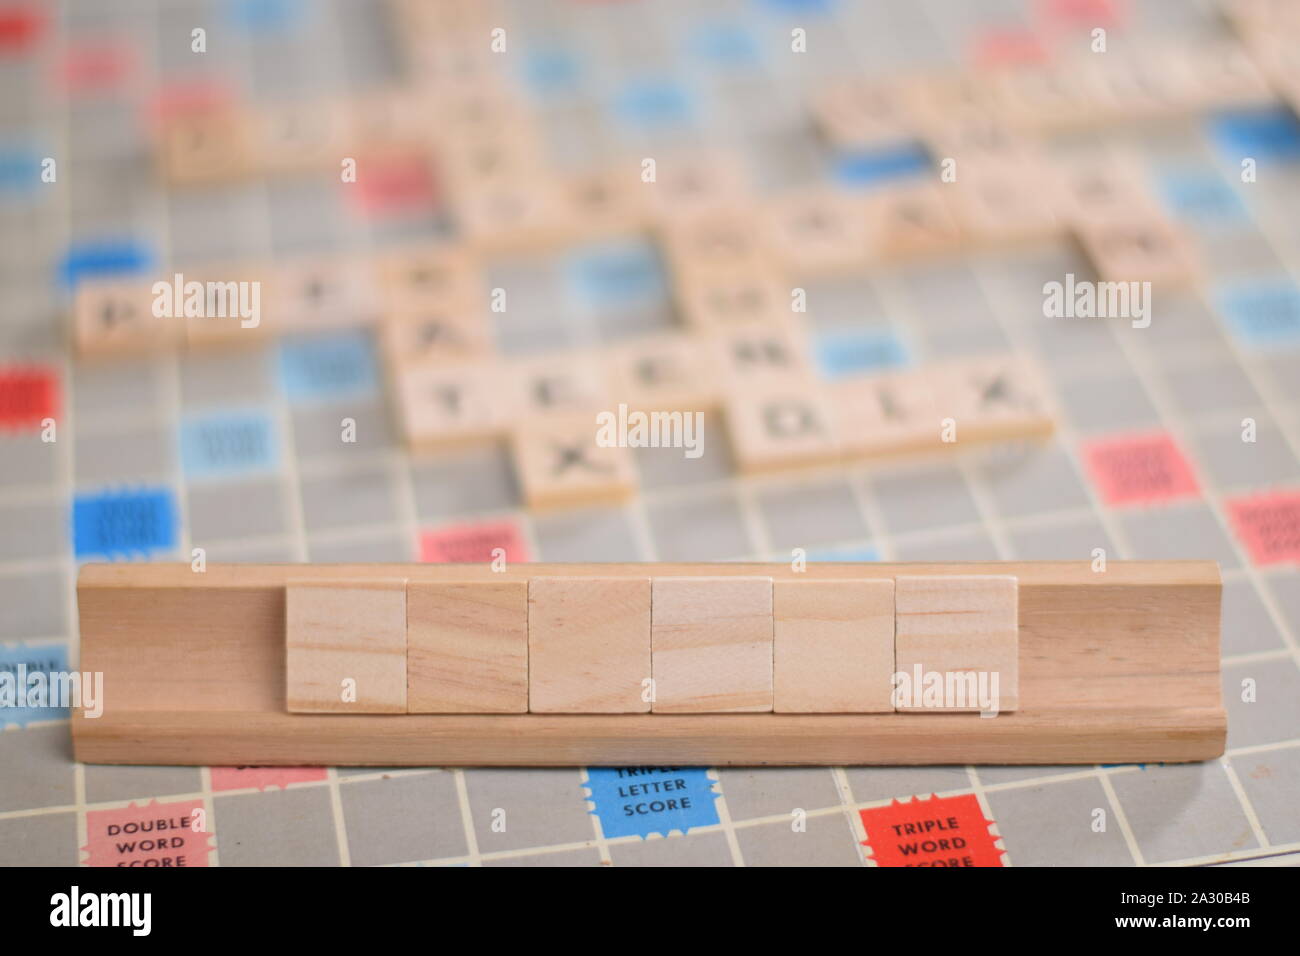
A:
1114, 666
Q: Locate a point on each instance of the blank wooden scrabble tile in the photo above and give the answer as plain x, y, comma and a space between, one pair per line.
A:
115, 317
588, 645
996, 203
467, 647
561, 462
959, 623
711, 645
782, 427
993, 398
833, 645
345, 646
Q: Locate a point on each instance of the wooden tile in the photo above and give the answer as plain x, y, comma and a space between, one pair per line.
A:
1220, 75
388, 117
437, 275
911, 221
833, 646
467, 647
788, 426
436, 334
555, 384
716, 240
1004, 204
1045, 98
560, 463
205, 146
761, 355
993, 398
519, 215
689, 183
345, 646
305, 295
1141, 249
709, 299
1103, 190
452, 405
881, 416
115, 317
863, 113
959, 624
818, 231
608, 202
711, 645
943, 99
667, 372
293, 137
229, 290
588, 645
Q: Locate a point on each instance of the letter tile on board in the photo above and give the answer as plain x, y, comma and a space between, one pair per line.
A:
588, 645
1146, 249
345, 646
434, 334
777, 428
833, 649
664, 373
450, 405
467, 647
960, 625
818, 231
993, 398
711, 645
204, 146
909, 221
570, 460
115, 317
888, 414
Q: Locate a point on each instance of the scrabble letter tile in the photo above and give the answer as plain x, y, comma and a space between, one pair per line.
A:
833, 646
711, 645
340, 631
467, 647
588, 645
958, 625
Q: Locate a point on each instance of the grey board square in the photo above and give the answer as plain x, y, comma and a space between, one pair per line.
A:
1240, 465
38, 768
584, 856
974, 545
33, 530
35, 604
669, 467
811, 514
144, 453
827, 840
427, 806
49, 839
354, 497
28, 460
775, 791
1271, 780
125, 385
1247, 626
595, 534
226, 375
1107, 402
276, 828
691, 849
318, 429
1208, 389
1177, 531
1052, 825
382, 548
1041, 479
541, 808
1073, 540
1274, 714
464, 481
931, 497
232, 510
1180, 812
110, 784
878, 784
707, 527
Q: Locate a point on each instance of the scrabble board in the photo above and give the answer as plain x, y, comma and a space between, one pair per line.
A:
1173, 438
